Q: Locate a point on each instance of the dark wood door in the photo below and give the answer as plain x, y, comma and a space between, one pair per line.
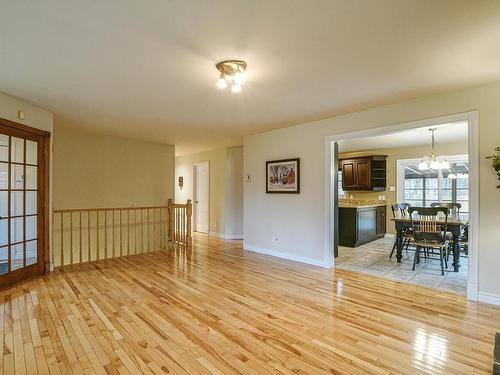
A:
381, 220
348, 175
335, 200
367, 225
362, 173
23, 202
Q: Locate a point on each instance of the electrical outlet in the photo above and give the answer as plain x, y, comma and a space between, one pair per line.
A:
275, 238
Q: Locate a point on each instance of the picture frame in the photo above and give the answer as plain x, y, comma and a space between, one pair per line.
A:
283, 176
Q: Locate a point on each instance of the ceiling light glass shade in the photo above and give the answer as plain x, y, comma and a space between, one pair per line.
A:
236, 88
452, 176
238, 78
435, 164
221, 83
423, 166
444, 164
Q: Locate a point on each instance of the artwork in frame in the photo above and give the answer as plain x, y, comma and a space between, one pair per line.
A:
283, 176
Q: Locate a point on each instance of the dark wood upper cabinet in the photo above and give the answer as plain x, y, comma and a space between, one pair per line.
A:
348, 174
367, 173
363, 174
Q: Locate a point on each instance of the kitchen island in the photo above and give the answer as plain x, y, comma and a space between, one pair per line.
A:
361, 222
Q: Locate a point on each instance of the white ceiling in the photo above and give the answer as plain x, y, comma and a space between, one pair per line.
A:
445, 133
146, 69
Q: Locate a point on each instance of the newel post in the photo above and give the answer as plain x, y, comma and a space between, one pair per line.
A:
189, 214
170, 219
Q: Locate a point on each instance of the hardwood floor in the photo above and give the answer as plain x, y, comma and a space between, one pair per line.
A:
219, 310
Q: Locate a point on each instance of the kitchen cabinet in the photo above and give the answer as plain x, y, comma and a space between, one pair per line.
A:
367, 173
361, 224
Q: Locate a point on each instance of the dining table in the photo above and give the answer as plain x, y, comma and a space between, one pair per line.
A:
454, 226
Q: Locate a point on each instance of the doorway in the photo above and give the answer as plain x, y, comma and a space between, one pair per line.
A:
202, 197
23, 202
334, 181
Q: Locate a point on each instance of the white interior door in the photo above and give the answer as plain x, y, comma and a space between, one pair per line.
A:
201, 199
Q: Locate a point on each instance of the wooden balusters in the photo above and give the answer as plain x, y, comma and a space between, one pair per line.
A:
179, 222
108, 232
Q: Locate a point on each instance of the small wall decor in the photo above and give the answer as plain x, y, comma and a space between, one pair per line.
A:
495, 162
181, 182
283, 176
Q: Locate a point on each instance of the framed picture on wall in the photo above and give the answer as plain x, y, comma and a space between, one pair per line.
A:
283, 176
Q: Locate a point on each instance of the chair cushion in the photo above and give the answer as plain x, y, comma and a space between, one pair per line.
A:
430, 243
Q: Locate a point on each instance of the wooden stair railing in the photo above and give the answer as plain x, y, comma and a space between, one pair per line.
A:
179, 223
92, 234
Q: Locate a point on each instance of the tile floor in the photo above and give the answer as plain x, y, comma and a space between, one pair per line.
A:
374, 258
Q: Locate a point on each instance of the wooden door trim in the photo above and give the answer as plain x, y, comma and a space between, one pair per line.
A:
27, 132
26, 128
195, 182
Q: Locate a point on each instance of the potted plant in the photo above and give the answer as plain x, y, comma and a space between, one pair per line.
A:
495, 161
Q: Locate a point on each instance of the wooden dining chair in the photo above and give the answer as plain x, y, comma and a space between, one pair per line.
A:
401, 210
451, 206
428, 234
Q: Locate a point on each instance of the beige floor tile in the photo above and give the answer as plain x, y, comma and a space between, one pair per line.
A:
373, 258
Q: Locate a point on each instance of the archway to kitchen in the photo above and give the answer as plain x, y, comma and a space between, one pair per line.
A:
371, 171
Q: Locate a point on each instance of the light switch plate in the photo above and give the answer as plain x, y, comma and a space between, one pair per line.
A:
392, 188
248, 178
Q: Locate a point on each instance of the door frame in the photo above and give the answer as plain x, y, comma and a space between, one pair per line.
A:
195, 182
472, 118
43, 225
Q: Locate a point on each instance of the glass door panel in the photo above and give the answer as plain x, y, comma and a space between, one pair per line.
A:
4, 260
22, 171
4, 147
31, 252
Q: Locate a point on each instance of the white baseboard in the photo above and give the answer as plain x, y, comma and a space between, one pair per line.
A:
216, 234
233, 236
494, 299
472, 291
226, 236
278, 254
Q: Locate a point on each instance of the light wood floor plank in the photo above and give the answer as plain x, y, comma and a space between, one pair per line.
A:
216, 309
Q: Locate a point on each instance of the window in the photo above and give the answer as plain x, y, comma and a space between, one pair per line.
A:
341, 192
422, 188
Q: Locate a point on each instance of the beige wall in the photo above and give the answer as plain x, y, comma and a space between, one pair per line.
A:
96, 171
393, 155
233, 213
299, 220
92, 171
226, 187
184, 166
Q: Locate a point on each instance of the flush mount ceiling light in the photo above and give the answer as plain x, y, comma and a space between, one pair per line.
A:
433, 161
232, 72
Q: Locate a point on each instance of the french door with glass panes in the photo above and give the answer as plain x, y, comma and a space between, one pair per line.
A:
23, 202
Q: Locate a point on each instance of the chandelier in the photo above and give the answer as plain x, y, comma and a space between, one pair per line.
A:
433, 161
232, 72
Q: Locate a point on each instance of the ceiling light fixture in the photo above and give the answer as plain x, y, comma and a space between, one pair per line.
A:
221, 83
231, 72
433, 161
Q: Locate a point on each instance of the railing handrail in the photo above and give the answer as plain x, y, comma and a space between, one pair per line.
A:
66, 210
111, 228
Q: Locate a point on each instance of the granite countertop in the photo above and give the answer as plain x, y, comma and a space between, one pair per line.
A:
361, 204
